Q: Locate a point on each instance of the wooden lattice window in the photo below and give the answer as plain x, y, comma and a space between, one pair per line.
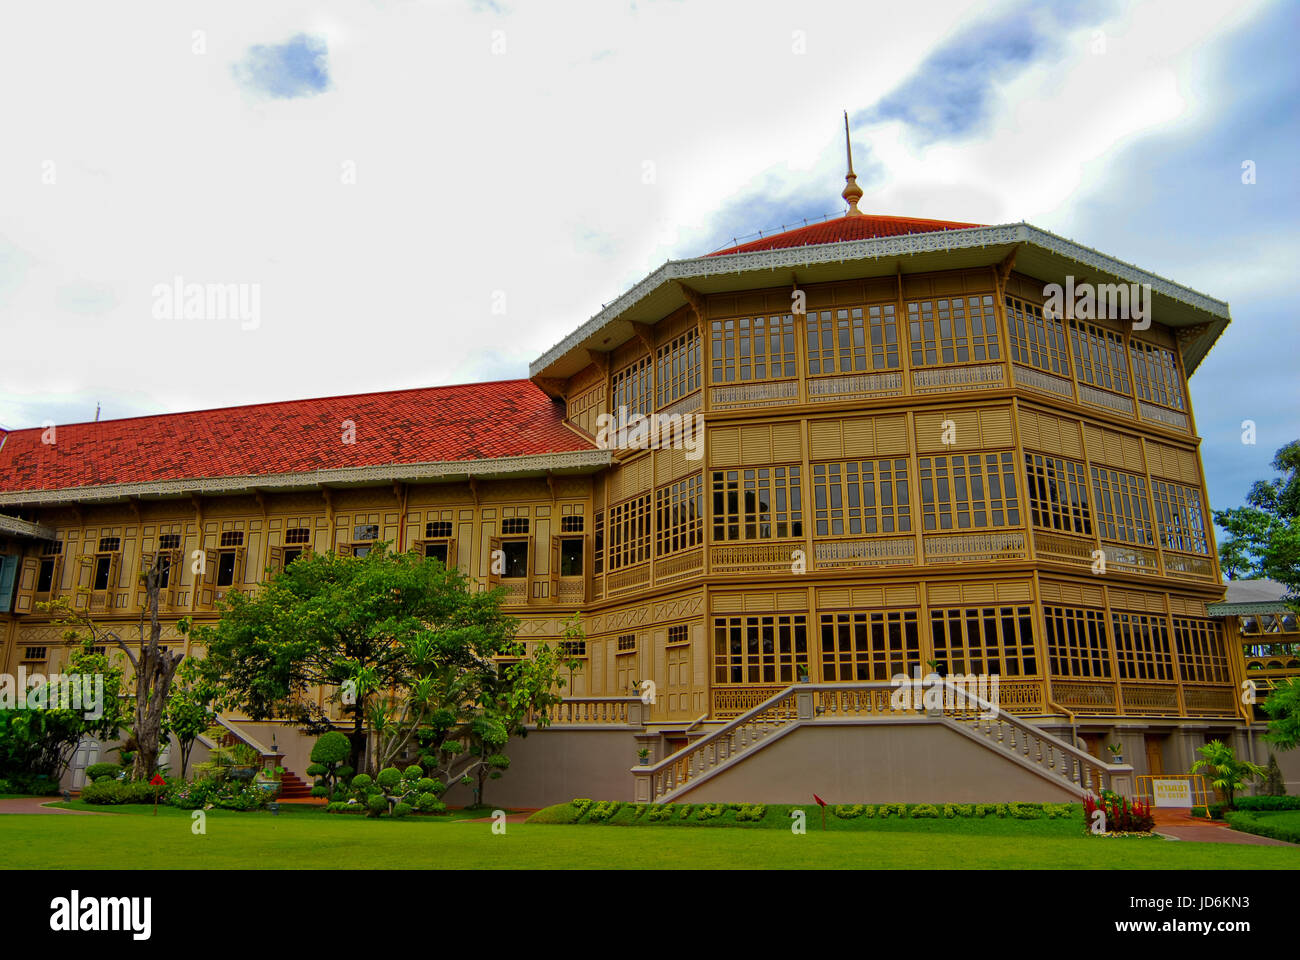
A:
629, 532
678, 368
680, 509
1155, 374
169, 541
34, 653
853, 339
753, 348
1201, 657
439, 530
627, 641
1120, 501
678, 633
968, 492
573, 648
953, 330
984, 640
759, 503
631, 389
1099, 357
569, 524
235, 538
1037, 341
857, 497
1077, 645
110, 544
1058, 494
874, 646
515, 526
1142, 647
759, 649
1179, 518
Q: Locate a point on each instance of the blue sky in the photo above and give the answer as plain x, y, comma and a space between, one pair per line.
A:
392, 175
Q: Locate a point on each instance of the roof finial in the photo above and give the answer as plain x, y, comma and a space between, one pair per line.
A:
852, 192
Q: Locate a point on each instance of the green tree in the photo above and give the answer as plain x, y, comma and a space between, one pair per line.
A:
382, 632
1263, 537
1283, 708
153, 666
327, 762
38, 736
1227, 773
189, 708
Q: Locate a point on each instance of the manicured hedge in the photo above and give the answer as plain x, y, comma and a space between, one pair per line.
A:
621, 813
1262, 824
1267, 803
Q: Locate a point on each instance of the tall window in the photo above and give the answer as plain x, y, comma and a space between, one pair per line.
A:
872, 646
853, 339
629, 532
953, 330
861, 497
1099, 357
678, 368
1179, 517
680, 508
1058, 494
753, 348
1076, 642
762, 649
1121, 504
964, 492
1201, 657
1142, 647
757, 504
631, 388
1155, 374
984, 640
1036, 340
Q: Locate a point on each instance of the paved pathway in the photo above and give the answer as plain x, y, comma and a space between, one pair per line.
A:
36, 805
1183, 826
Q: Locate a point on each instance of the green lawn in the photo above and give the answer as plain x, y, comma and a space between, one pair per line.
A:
131, 837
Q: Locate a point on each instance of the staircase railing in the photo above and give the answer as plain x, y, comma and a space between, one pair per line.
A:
817, 703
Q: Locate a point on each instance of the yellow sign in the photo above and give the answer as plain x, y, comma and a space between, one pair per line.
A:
1171, 793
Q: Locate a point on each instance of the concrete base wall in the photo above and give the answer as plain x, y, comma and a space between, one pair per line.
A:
876, 763
554, 766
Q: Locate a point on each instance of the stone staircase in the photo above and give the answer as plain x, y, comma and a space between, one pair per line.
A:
1005, 735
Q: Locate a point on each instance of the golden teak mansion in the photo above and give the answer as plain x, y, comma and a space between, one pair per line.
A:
907, 465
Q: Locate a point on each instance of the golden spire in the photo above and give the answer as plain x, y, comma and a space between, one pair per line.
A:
852, 192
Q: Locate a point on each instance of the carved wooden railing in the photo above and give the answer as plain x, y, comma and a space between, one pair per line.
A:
1217, 701
1170, 418
679, 566
1188, 565
1104, 398
869, 551
1041, 381
1067, 549
748, 557
1074, 769
764, 394
854, 385
974, 547
1130, 558
631, 578
1149, 699
596, 712
1086, 696
979, 376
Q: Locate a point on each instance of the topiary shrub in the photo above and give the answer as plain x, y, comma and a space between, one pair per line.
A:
428, 803
923, 811
362, 781
390, 778
413, 772
401, 810
377, 804
103, 771
328, 755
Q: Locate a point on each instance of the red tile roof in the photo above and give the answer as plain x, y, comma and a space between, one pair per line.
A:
474, 421
845, 228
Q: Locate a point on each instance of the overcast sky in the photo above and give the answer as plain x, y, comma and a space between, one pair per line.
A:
388, 176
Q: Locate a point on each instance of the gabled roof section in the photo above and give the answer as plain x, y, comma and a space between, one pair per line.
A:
1251, 596
507, 420
1196, 319
841, 229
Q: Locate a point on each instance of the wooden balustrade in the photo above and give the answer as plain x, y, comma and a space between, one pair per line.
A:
763, 394
729, 702
1042, 382
982, 376
1149, 699
974, 547
1125, 556
679, 566
1168, 418
1054, 546
752, 556
631, 578
1104, 398
869, 552
1085, 696
1213, 701
596, 712
1188, 565
855, 386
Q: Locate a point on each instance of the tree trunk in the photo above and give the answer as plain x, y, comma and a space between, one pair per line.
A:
153, 680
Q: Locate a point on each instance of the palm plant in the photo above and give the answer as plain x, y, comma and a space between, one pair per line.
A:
1228, 774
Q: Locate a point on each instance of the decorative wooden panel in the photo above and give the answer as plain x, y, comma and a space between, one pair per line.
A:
1071, 594
975, 429
1133, 600
1175, 463
755, 444
1058, 435
1116, 449
631, 478
853, 437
